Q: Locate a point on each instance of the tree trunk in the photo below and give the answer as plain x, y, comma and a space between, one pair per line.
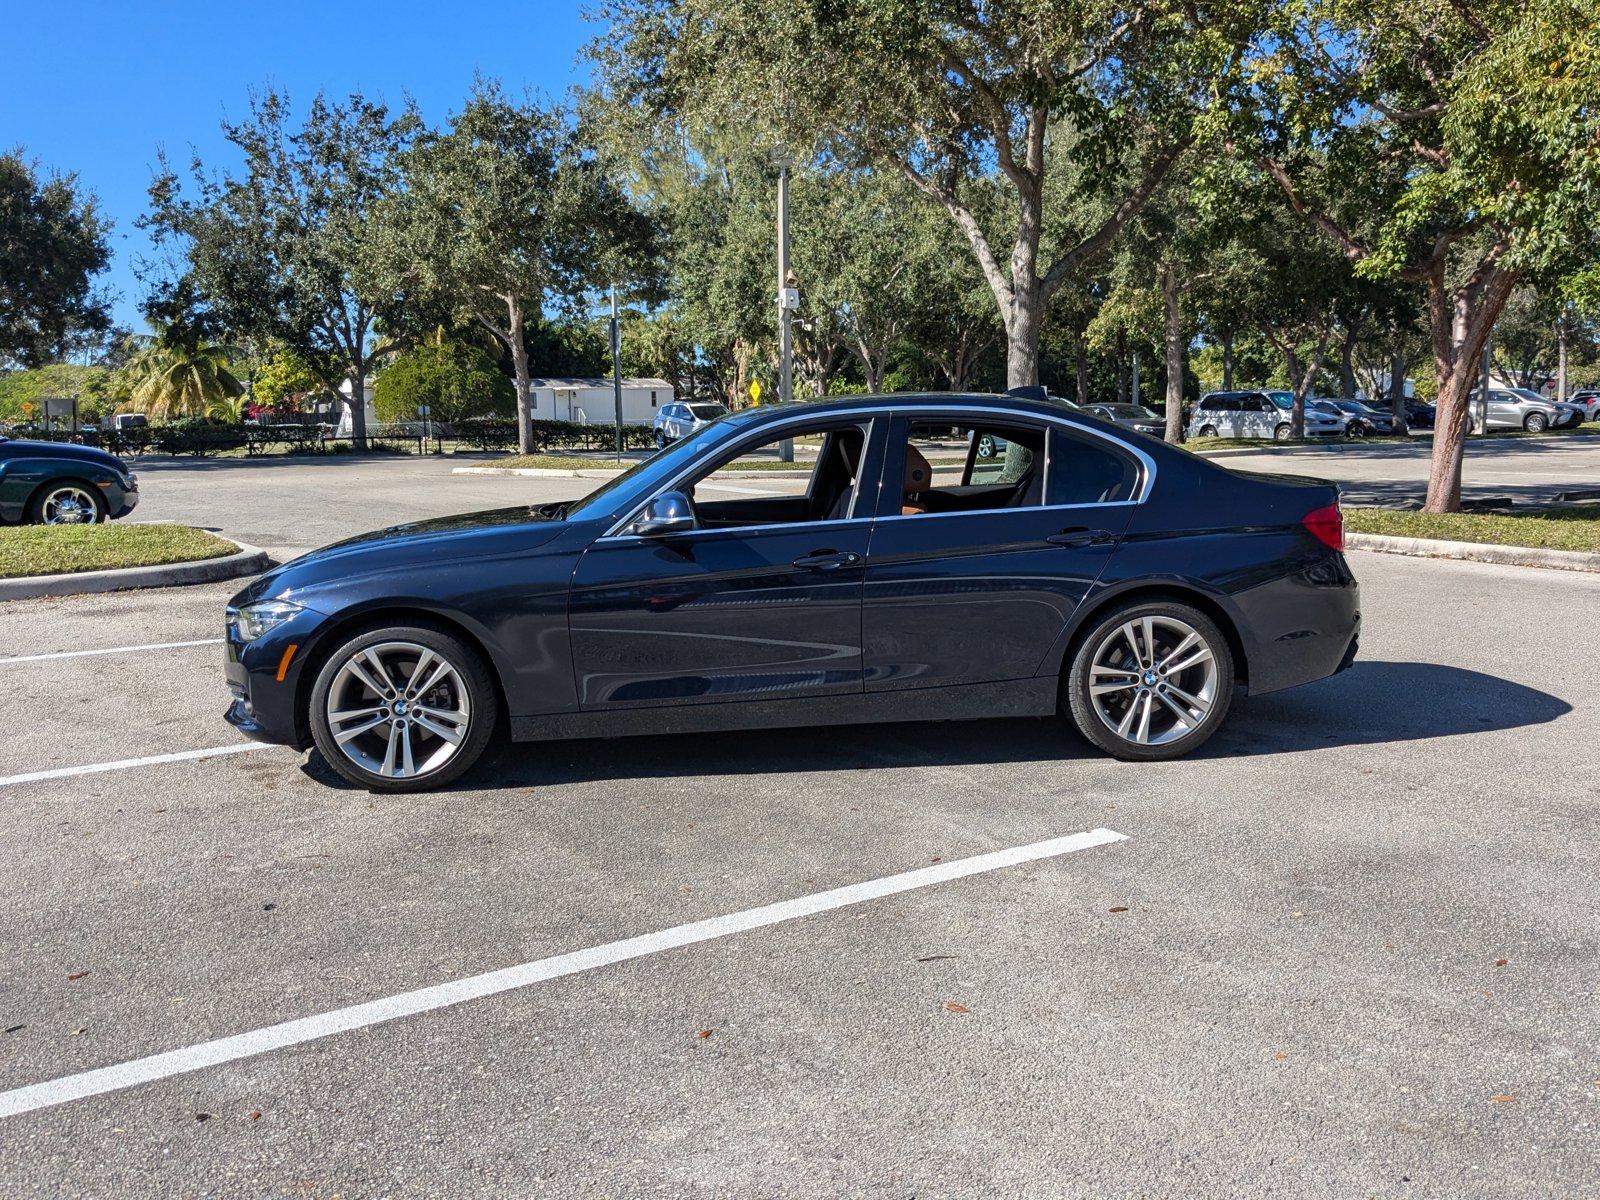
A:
1022, 333
1174, 346
518, 345
358, 404
1080, 368
1347, 368
1397, 392
1227, 360
1297, 409
1460, 322
1121, 367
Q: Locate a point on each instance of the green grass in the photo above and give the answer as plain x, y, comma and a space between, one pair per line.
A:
558, 462
67, 549
1555, 529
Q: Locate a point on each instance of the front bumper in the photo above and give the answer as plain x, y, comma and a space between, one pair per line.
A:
264, 679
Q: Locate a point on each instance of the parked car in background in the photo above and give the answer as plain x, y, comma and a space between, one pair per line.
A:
1360, 420
1130, 416
1114, 581
683, 417
57, 483
1255, 414
1522, 408
1587, 399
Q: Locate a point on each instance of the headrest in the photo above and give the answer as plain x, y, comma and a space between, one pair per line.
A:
919, 475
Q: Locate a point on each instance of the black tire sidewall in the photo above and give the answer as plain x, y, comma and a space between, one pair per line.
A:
475, 673
1080, 707
1283, 433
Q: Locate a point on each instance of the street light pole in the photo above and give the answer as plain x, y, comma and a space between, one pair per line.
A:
787, 301
616, 367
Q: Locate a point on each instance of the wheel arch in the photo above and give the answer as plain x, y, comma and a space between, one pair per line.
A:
1137, 593
54, 481
347, 625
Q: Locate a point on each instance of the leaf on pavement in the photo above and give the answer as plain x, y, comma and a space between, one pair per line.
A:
1503, 1098
952, 1006
703, 1034
77, 975
1118, 908
1500, 962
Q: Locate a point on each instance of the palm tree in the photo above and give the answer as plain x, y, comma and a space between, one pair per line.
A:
173, 380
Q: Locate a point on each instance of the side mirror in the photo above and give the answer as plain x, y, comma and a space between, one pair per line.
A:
669, 512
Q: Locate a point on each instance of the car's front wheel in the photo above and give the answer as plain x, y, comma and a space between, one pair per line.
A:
1536, 423
661, 440
403, 708
1151, 680
1208, 431
67, 502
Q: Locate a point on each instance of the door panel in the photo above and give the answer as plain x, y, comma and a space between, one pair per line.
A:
978, 597
713, 616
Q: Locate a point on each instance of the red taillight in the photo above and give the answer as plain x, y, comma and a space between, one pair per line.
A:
1326, 525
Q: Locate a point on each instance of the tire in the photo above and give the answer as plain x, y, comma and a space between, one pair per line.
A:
661, 440
1208, 431
1536, 422
384, 724
67, 502
1105, 653
1282, 432
986, 448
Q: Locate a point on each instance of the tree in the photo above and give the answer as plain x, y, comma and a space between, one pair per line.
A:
168, 379
949, 94
53, 242
279, 375
456, 382
289, 249
1447, 143
504, 212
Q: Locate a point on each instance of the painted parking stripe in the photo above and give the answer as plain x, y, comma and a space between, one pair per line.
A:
743, 491
406, 1004
27, 658
124, 764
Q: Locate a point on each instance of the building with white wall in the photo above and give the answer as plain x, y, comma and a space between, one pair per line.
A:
592, 401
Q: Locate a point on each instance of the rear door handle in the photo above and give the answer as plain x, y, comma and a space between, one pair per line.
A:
1079, 535
827, 560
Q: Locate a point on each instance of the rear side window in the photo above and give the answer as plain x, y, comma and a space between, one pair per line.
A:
1084, 471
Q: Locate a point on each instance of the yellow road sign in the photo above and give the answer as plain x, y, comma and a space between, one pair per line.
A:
755, 391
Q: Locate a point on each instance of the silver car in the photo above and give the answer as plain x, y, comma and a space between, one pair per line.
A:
1587, 399
1256, 414
1130, 416
1520, 408
683, 417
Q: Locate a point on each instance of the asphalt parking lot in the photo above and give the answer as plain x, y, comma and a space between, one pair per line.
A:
1349, 949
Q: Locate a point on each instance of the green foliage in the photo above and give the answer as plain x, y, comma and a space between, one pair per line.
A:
456, 382
97, 389
68, 549
168, 380
281, 375
53, 241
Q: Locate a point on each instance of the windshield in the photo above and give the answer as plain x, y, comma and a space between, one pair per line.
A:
645, 476
1282, 399
708, 412
1128, 412
1526, 394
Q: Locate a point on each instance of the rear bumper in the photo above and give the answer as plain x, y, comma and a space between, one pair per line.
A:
1301, 627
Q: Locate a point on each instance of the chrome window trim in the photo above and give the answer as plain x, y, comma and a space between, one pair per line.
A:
1146, 463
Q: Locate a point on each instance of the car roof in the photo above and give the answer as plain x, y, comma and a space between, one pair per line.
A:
910, 401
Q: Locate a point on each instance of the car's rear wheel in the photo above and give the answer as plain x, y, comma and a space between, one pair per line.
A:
1208, 431
67, 502
1282, 432
661, 440
1152, 680
403, 708
1536, 423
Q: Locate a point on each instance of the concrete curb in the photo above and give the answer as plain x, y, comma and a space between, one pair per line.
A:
250, 560
1510, 556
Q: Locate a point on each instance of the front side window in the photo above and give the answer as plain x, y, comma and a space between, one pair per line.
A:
834, 454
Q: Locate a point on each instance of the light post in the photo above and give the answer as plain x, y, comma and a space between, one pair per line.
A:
616, 367
788, 301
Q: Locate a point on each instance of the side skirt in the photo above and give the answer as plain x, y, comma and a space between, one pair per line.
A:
966, 702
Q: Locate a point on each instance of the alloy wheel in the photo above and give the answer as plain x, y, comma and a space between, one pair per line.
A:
69, 504
399, 710
1153, 680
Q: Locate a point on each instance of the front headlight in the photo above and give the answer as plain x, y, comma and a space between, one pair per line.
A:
253, 620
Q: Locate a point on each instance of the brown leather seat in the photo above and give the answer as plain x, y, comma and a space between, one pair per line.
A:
918, 479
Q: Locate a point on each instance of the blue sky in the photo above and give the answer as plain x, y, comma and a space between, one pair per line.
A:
99, 88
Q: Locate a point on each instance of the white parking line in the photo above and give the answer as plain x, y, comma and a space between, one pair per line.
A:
407, 1004
26, 658
124, 764
743, 491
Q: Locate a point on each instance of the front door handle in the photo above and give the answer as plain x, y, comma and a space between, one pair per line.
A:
1080, 535
826, 560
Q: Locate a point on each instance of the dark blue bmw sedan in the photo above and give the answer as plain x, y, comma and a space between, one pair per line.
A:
1086, 570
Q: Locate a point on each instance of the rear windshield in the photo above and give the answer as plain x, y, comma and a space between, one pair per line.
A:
708, 412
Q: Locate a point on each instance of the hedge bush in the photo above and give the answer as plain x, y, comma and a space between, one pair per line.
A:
572, 435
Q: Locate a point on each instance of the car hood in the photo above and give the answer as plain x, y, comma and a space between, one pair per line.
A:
408, 548
66, 450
